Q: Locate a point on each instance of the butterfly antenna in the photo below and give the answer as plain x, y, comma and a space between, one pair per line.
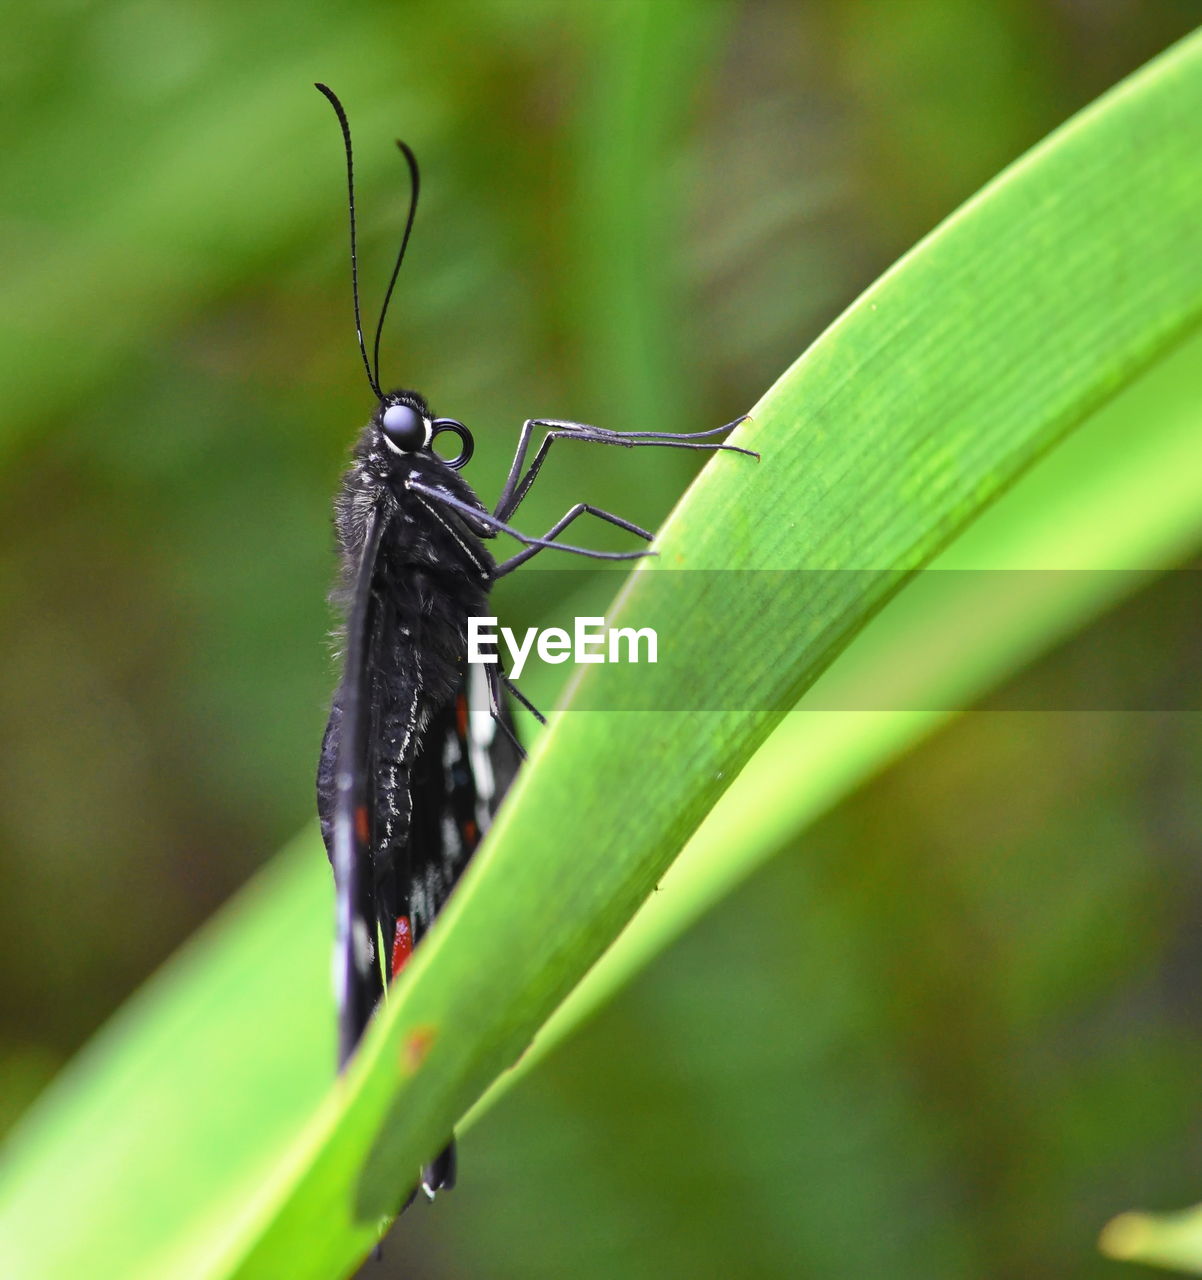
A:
373, 380
414, 189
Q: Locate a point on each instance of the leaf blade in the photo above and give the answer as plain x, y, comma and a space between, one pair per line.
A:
902, 433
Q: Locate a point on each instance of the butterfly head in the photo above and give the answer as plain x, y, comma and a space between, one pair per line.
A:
405, 426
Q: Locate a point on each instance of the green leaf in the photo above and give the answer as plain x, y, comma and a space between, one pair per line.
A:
1082, 530
1172, 1240
1075, 270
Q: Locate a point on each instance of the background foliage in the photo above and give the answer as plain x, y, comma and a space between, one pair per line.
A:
960, 1028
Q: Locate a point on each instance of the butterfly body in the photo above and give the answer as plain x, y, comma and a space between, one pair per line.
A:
423, 762
419, 748
432, 570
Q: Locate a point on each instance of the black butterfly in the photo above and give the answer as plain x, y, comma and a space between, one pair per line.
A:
420, 748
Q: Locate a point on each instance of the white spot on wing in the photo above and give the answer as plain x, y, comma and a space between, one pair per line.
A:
361, 947
481, 730
339, 977
452, 845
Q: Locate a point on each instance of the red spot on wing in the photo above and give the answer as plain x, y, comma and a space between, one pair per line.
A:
461, 715
471, 831
402, 944
362, 826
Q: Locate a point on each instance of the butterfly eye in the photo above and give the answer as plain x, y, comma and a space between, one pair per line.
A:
404, 428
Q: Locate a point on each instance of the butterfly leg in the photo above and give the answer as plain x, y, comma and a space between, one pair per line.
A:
478, 517
521, 476
580, 509
521, 697
495, 677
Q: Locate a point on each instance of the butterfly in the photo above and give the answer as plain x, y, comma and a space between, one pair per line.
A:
420, 747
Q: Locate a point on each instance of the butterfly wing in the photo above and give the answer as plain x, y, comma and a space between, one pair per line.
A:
463, 762
462, 770
344, 804
462, 765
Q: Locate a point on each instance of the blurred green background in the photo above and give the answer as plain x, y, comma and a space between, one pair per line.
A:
961, 1024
